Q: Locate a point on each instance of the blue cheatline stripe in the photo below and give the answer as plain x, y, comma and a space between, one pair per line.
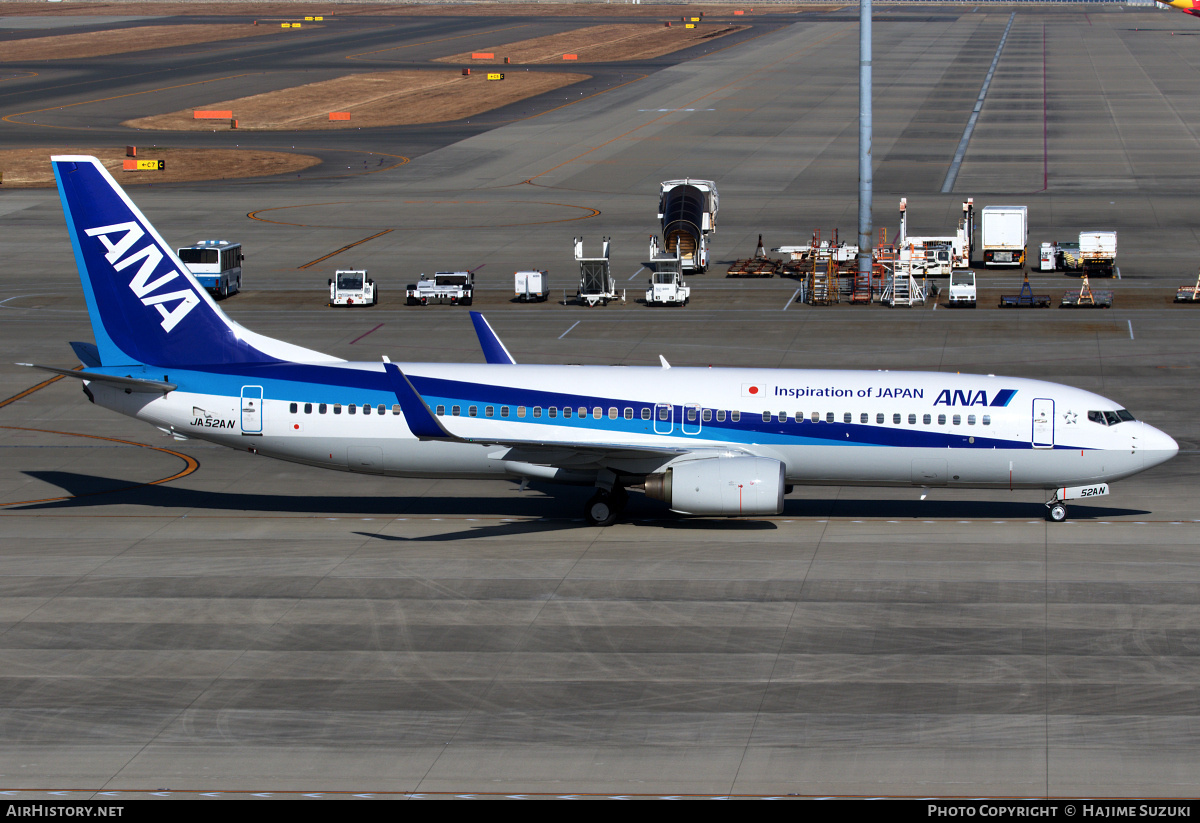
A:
294, 382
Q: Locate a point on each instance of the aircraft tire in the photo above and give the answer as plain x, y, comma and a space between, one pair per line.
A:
1057, 513
604, 508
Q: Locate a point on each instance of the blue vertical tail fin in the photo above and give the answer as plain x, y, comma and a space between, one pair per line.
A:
144, 304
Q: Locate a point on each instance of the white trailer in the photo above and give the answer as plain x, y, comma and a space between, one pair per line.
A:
533, 285
939, 255
1098, 253
352, 287
687, 211
1003, 235
596, 283
457, 287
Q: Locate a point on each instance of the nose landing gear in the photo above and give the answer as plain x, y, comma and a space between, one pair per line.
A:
1056, 511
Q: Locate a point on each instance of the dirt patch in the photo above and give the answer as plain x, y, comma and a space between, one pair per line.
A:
30, 168
440, 9
595, 44
392, 98
120, 41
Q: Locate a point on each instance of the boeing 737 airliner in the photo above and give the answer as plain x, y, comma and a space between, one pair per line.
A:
723, 442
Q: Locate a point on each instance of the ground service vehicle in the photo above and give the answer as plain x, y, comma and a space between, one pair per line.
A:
596, 283
1098, 253
458, 287
1003, 235
962, 289
687, 210
666, 282
352, 287
938, 256
216, 265
532, 285
706, 441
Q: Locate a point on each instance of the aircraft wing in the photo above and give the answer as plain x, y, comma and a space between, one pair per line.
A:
1185, 6
564, 454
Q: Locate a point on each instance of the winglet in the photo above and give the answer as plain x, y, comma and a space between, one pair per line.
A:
493, 350
421, 421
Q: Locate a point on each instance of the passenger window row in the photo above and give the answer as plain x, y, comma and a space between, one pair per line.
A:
880, 418
690, 413
337, 408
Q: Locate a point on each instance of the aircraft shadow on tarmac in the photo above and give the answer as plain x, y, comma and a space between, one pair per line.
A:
558, 503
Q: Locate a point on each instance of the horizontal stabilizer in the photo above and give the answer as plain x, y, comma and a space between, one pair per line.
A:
87, 353
133, 384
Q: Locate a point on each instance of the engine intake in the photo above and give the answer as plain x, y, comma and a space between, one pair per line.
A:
728, 486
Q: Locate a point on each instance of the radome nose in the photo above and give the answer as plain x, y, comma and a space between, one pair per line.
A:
1156, 446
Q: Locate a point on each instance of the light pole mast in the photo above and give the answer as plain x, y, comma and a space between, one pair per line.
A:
866, 230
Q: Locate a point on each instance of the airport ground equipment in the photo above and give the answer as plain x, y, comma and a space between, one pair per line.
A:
757, 266
1098, 253
1048, 257
826, 269
533, 285
939, 256
596, 283
216, 264
1026, 299
1189, 294
1003, 235
352, 287
962, 289
1086, 298
902, 287
456, 287
666, 282
1064, 257
687, 211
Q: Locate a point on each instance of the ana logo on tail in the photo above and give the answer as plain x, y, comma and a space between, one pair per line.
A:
141, 284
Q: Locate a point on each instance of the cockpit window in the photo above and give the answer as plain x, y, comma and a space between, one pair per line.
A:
1110, 418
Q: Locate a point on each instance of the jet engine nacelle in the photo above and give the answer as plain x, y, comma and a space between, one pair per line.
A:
728, 486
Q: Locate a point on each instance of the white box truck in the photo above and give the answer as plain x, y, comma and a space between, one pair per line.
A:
1003, 234
1098, 253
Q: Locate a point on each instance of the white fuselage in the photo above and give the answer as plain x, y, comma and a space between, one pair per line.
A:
826, 427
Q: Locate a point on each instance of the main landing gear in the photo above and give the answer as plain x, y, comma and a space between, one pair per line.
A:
607, 504
605, 507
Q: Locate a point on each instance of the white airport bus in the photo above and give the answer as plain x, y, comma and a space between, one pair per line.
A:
217, 264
